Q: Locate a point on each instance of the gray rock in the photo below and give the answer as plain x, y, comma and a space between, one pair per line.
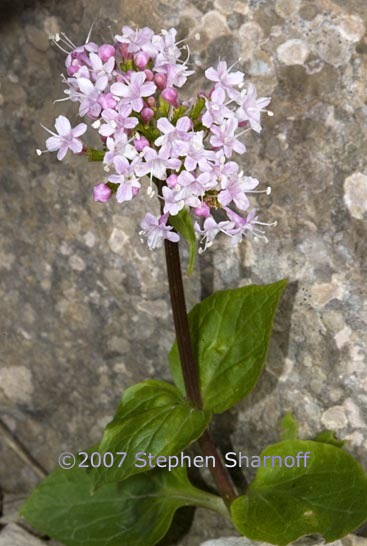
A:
84, 305
13, 535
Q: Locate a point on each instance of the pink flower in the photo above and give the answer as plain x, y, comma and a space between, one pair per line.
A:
215, 109
137, 40
223, 136
133, 91
129, 184
156, 230
173, 201
250, 107
224, 77
117, 121
174, 137
66, 139
211, 229
156, 165
101, 193
233, 189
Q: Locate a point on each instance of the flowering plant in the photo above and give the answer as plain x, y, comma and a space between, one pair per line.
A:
184, 153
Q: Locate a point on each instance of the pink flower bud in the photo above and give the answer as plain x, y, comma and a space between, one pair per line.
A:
147, 114
107, 101
141, 143
161, 81
101, 193
170, 95
172, 180
203, 211
141, 60
74, 67
149, 75
151, 101
106, 51
123, 50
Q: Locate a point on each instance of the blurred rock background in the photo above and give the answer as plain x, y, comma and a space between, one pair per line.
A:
84, 307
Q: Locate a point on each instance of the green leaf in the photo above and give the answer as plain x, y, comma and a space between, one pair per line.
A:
197, 108
95, 155
289, 427
163, 107
178, 113
327, 496
152, 418
328, 437
136, 512
230, 332
182, 223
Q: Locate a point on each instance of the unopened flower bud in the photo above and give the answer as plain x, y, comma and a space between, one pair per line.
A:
107, 101
141, 60
161, 81
123, 50
101, 193
106, 51
74, 67
146, 115
172, 180
151, 102
170, 95
149, 75
203, 211
141, 143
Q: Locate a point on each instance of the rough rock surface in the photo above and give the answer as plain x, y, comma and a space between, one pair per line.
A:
84, 307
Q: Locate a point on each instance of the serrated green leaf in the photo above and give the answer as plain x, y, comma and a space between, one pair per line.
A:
182, 222
327, 496
230, 332
289, 427
152, 418
136, 512
328, 437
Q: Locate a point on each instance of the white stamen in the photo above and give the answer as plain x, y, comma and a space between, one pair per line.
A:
39, 152
197, 36
90, 31
96, 124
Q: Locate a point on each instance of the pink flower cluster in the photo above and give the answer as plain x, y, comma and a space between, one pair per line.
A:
182, 151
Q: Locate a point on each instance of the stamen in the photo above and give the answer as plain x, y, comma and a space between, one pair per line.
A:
68, 40
48, 130
90, 31
266, 223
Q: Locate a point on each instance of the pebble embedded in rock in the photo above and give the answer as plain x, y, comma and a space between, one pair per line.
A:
355, 194
293, 52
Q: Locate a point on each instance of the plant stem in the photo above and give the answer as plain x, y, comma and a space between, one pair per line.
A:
218, 470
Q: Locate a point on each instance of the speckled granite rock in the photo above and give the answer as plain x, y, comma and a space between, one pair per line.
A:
84, 304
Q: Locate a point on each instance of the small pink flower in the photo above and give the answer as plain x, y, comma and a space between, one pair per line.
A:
66, 139
156, 230
133, 91
101, 193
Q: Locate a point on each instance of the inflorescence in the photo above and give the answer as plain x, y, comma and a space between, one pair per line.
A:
180, 150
